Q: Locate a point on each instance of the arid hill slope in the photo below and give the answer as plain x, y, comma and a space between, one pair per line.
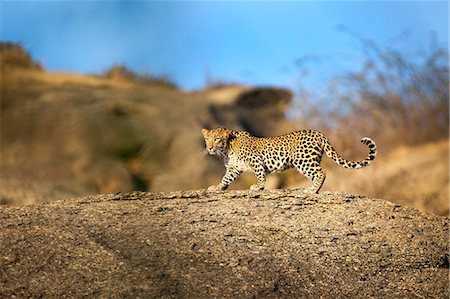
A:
65, 135
236, 244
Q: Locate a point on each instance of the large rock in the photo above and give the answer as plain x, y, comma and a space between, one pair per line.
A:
236, 244
260, 110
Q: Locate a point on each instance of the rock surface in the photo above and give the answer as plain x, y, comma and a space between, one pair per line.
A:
235, 244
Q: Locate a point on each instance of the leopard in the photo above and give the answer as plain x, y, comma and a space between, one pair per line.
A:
302, 150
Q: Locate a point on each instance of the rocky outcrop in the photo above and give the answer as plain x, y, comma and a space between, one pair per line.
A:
235, 244
260, 111
13, 55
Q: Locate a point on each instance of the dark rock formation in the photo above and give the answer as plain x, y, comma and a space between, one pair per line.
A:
260, 111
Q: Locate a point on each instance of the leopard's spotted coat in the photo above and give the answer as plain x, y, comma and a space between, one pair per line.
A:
301, 149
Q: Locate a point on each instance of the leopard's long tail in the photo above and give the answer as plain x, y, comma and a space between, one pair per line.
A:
332, 154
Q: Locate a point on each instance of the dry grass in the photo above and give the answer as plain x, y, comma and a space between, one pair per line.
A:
62, 78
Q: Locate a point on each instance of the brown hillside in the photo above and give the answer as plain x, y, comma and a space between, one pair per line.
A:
64, 135
236, 244
14, 56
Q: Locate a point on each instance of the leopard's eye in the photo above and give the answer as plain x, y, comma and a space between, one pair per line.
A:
217, 139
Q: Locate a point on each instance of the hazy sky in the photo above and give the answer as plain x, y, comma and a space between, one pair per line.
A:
249, 42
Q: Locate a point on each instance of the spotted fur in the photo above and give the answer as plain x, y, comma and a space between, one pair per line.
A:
301, 149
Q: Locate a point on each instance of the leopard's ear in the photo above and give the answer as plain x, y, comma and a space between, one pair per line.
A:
205, 132
227, 134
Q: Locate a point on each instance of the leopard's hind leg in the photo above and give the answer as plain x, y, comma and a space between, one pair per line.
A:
318, 178
314, 172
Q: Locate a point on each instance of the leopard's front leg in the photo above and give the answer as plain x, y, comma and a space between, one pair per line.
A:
230, 175
260, 174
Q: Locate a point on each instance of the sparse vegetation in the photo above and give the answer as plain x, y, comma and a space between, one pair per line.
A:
397, 96
121, 72
400, 98
13, 55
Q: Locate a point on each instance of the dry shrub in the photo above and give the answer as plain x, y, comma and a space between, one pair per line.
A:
400, 98
397, 96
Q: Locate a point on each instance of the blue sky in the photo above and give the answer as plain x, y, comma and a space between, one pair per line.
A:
255, 43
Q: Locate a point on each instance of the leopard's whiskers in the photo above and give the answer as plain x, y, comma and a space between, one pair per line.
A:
203, 153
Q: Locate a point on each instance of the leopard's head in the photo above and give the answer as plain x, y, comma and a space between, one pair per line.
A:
217, 140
